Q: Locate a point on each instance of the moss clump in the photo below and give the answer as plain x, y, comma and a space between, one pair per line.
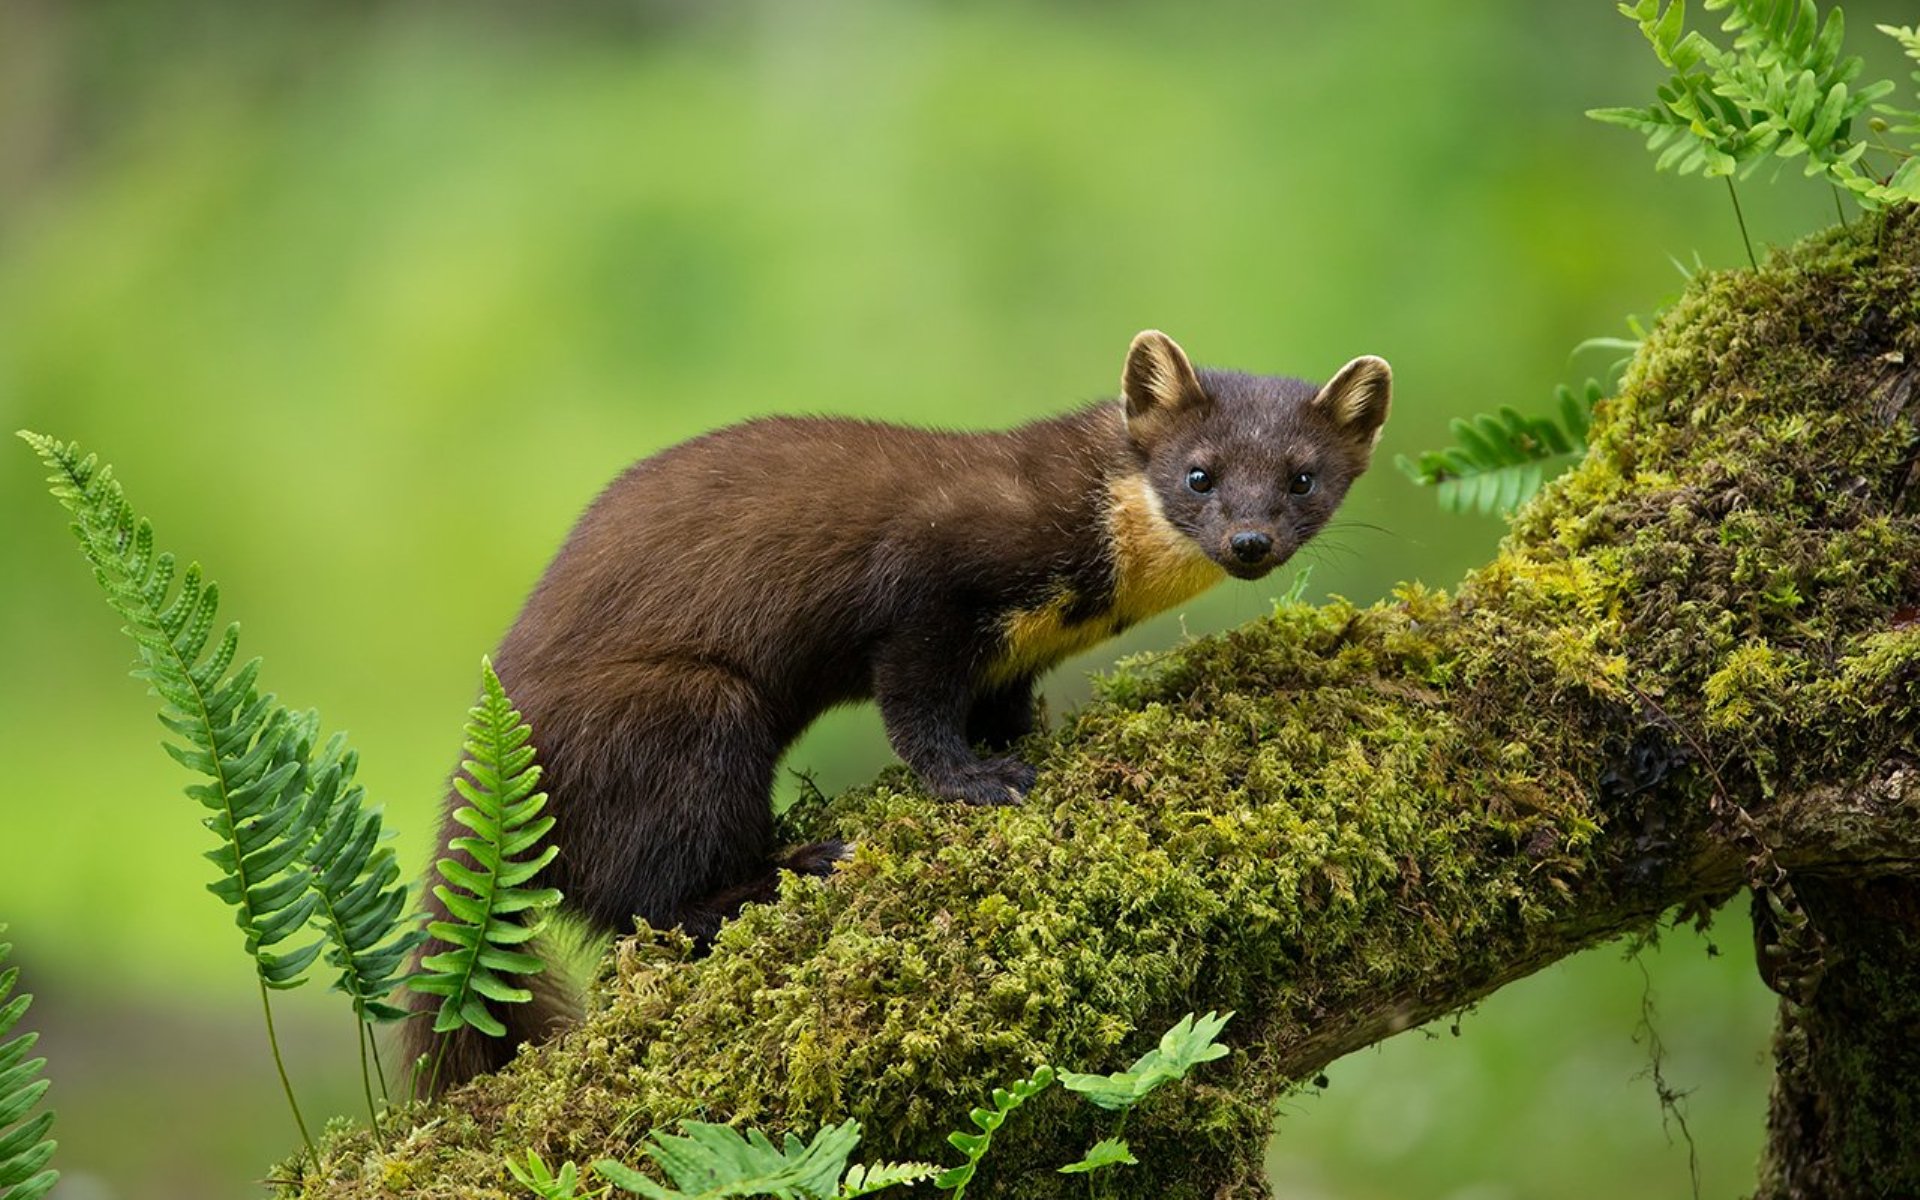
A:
1337, 821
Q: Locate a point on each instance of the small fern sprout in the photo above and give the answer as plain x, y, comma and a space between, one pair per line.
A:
988, 1120
1107, 1152
1191, 1041
549, 1184
25, 1148
708, 1160
868, 1178
491, 909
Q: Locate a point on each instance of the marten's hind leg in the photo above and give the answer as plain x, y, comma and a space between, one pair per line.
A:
679, 822
702, 919
1001, 716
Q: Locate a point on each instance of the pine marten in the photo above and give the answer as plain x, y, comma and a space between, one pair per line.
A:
720, 595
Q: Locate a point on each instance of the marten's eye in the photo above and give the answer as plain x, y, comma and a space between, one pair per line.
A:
1300, 484
1199, 481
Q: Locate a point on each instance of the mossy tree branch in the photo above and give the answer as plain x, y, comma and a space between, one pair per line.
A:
1694, 667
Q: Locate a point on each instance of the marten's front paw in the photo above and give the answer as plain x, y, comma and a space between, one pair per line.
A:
990, 781
820, 858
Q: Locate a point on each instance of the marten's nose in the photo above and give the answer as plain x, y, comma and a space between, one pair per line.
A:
1250, 547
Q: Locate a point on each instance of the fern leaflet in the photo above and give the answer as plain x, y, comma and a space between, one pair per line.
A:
1108, 1152
25, 1149
1908, 119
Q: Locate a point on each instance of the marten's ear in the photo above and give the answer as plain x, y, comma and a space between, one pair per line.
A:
1157, 383
1357, 398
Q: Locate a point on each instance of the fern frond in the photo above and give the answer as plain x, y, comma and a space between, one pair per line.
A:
251, 750
297, 845
25, 1148
486, 902
1189, 1043
356, 878
1909, 119
1109, 1152
546, 1183
1784, 90
718, 1160
988, 1121
1499, 462
1788, 72
868, 1178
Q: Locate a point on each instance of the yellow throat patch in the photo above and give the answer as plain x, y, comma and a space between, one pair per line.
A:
1156, 567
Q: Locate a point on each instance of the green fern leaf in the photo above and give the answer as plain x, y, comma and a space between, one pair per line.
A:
1784, 90
1188, 1044
976, 1145
252, 750
866, 1179
487, 900
296, 843
1110, 1152
25, 1148
544, 1182
1908, 119
1502, 460
357, 882
1904, 187
708, 1160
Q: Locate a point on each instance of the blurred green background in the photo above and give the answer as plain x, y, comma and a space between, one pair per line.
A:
366, 301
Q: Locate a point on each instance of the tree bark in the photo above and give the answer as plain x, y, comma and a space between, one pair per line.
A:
1693, 669
1845, 1117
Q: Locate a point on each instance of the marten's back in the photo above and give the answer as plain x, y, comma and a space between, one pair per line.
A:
781, 549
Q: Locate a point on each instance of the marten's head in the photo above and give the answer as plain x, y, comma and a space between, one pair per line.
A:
1248, 466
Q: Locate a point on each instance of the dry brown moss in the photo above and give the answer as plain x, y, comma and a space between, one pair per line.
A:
1330, 820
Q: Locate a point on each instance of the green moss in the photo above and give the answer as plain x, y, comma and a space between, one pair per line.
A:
1324, 819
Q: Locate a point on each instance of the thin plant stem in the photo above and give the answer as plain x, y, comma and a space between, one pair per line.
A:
379, 1070
352, 987
416, 1070
366, 1084
1742, 218
1838, 210
286, 1085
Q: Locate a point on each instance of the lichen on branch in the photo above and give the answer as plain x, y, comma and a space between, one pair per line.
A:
1338, 821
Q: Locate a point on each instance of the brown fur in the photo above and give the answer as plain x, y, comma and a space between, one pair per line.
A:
723, 593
